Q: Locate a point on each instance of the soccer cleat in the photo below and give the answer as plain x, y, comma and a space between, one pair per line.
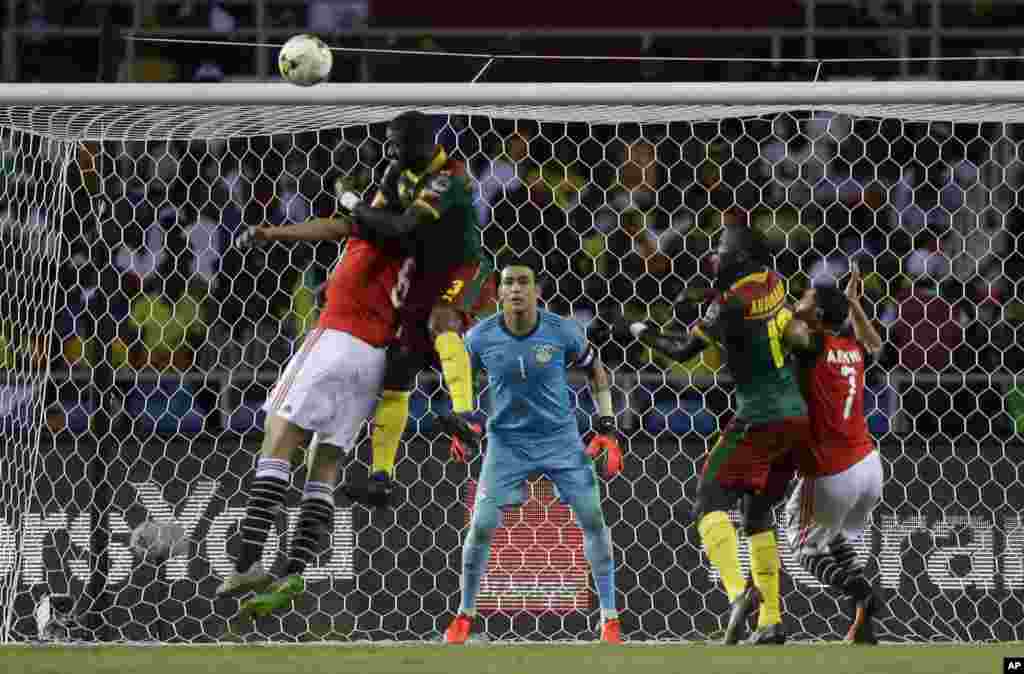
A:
253, 580
768, 635
611, 631
459, 629
278, 596
378, 492
862, 630
741, 610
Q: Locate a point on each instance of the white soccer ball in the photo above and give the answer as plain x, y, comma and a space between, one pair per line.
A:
305, 60
156, 542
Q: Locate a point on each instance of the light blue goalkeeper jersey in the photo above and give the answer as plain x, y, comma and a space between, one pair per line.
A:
529, 390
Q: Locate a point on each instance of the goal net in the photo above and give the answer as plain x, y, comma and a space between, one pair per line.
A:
136, 346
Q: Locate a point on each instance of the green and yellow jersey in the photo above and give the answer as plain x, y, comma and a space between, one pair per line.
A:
747, 323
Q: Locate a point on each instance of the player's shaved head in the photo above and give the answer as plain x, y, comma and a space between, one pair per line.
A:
741, 250
411, 140
413, 123
746, 241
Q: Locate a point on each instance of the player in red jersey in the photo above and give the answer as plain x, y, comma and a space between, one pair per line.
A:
841, 477
328, 389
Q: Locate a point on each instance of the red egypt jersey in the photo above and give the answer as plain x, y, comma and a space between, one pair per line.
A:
834, 386
360, 293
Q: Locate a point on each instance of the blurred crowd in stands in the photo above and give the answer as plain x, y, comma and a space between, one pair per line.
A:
621, 219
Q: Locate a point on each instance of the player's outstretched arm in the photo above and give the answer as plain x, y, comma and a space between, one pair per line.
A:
862, 327
379, 224
316, 229
679, 348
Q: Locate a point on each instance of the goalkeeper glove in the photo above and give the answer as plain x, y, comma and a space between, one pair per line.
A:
465, 432
251, 237
604, 447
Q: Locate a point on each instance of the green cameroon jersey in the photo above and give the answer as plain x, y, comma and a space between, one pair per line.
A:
443, 192
747, 323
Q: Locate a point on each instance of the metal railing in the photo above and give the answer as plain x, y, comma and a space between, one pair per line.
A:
808, 36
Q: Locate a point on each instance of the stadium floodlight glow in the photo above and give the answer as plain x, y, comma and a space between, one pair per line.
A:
116, 204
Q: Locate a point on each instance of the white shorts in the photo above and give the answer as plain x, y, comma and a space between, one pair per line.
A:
822, 508
330, 386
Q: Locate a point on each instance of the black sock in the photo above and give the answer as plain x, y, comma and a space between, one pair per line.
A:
315, 518
266, 498
838, 569
855, 585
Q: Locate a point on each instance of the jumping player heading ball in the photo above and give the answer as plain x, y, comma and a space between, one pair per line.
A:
425, 202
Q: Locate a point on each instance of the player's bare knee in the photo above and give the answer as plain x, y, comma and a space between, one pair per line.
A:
444, 318
325, 466
281, 437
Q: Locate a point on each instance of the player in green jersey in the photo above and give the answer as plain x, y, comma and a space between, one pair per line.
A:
752, 461
425, 204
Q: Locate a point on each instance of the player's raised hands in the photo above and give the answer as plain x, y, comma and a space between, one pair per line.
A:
252, 237
604, 447
854, 285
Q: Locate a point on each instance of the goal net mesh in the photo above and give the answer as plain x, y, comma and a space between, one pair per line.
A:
115, 242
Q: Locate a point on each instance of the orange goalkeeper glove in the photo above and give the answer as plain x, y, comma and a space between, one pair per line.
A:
604, 447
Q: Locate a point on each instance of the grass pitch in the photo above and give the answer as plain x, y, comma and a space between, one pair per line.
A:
511, 659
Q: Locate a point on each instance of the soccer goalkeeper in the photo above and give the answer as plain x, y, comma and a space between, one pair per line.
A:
533, 429
752, 462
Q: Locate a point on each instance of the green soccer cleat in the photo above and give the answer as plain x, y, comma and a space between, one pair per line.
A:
278, 596
253, 580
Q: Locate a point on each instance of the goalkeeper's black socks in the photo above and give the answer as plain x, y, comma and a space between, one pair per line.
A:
315, 517
266, 498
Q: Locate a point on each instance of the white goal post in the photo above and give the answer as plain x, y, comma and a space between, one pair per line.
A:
135, 346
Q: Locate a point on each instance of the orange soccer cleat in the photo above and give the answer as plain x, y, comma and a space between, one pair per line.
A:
611, 631
459, 629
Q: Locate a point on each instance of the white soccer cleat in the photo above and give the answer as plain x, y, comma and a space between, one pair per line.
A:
253, 580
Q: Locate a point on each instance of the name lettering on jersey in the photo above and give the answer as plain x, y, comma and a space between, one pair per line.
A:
544, 353
765, 306
843, 357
